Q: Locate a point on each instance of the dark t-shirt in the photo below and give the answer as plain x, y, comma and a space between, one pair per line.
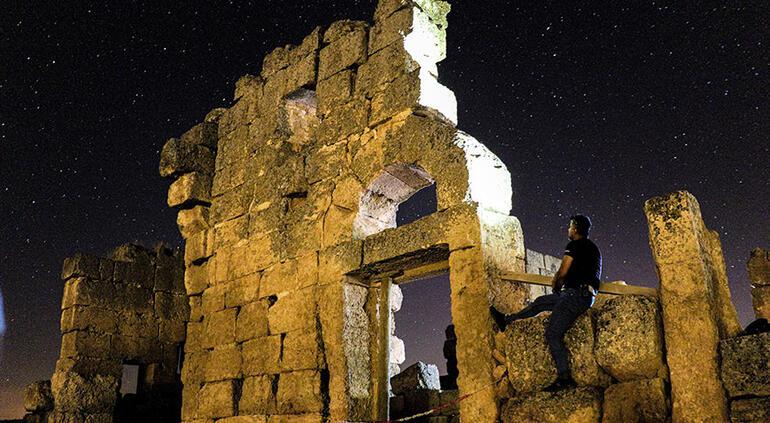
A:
586, 268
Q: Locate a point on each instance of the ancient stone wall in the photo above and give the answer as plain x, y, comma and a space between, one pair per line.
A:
287, 205
617, 358
129, 308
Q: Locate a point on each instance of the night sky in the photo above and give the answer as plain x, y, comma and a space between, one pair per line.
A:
594, 108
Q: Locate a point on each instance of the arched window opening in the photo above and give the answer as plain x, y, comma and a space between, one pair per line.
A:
379, 204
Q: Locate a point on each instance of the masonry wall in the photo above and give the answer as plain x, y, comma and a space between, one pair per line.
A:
129, 308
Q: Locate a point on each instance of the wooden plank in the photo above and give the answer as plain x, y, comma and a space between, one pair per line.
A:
614, 288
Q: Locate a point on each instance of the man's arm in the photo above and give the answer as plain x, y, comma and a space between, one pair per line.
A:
558, 278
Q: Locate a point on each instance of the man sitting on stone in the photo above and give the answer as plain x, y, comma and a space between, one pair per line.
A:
574, 289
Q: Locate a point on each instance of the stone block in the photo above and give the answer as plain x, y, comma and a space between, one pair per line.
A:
87, 366
171, 306
218, 399
629, 338
529, 362
75, 393
759, 267
293, 311
297, 418
419, 376
244, 419
258, 396
173, 331
746, 365
760, 300
252, 321
231, 232
213, 299
89, 318
397, 351
279, 279
204, 133
81, 343
242, 291
335, 91
189, 190
346, 50
436, 10
177, 158
220, 328
194, 367
383, 67
224, 362
643, 400
300, 392
196, 278
81, 265
199, 247
262, 356
572, 405
301, 350
38, 397
750, 410
325, 162
231, 204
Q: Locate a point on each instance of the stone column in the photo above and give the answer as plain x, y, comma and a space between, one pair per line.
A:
692, 300
759, 276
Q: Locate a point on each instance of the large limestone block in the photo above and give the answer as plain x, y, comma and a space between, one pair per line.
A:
746, 365
409, 25
262, 356
81, 265
220, 328
752, 410
300, 392
760, 300
224, 362
335, 91
293, 311
190, 189
418, 376
348, 48
301, 350
177, 158
75, 393
385, 66
252, 321
90, 344
759, 267
726, 315
38, 396
204, 133
629, 338
218, 399
437, 10
529, 362
580, 405
257, 396
638, 401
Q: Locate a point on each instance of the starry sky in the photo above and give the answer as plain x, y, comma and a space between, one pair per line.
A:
594, 108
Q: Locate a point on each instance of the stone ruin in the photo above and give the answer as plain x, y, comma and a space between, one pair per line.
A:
282, 302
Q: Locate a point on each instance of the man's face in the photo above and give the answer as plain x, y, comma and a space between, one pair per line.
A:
571, 230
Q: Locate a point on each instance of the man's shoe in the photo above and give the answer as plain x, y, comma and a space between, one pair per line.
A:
499, 318
561, 384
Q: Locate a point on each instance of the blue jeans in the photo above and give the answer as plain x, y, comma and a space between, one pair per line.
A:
566, 306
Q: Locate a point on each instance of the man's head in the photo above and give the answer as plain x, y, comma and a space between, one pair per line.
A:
579, 226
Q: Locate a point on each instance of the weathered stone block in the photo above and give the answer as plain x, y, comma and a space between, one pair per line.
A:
243, 290
638, 401
244, 419
196, 278
279, 278
760, 299
529, 362
293, 311
325, 162
81, 265
231, 232
300, 392
418, 376
437, 10
218, 399
224, 362
83, 343
297, 418
629, 338
383, 67
258, 396
220, 328
573, 405
190, 189
752, 410
38, 396
347, 50
204, 133
231, 204
177, 158
411, 26
89, 318
199, 247
262, 355
171, 306
252, 321
75, 393
759, 267
335, 91
746, 365
302, 350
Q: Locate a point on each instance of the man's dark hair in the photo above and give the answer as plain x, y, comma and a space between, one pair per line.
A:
582, 224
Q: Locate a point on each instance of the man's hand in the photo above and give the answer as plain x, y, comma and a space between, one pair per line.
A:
558, 278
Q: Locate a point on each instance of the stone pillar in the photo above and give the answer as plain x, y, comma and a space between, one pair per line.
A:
759, 276
691, 297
